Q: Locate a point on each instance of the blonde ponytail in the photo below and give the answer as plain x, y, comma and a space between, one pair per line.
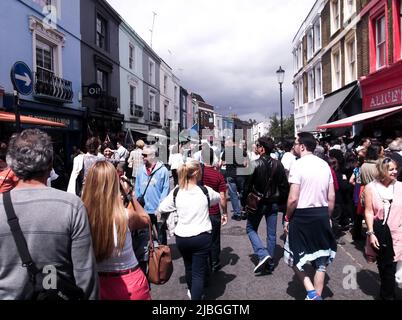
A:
186, 171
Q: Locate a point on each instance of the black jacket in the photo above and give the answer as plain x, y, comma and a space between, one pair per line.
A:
276, 188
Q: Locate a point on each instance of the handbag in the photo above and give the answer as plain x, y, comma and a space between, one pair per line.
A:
253, 198
160, 265
64, 288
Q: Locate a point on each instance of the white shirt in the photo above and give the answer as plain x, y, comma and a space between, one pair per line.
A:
314, 177
175, 160
288, 160
192, 210
122, 152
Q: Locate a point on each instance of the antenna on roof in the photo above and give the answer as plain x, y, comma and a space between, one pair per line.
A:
152, 29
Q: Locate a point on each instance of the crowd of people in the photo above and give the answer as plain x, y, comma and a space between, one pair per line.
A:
96, 234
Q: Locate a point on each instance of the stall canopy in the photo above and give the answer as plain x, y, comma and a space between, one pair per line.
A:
348, 122
328, 107
10, 117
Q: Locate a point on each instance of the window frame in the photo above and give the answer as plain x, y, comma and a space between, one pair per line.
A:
318, 81
336, 80
311, 85
317, 44
383, 43
151, 71
350, 70
131, 56
105, 80
348, 14
101, 18
335, 26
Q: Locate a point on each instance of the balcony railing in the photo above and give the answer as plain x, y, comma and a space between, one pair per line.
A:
136, 110
106, 103
154, 116
48, 85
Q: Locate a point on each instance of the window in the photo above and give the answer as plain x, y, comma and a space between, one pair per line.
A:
335, 15
317, 35
300, 92
350, 63
175, 94
133, 99
131, 53
44, 56
336, 69
151, 102
165, 85
311, 84
151, 72
100, 32
300, 56
349, 8
310, 43
102, 80
380, 42
318, 81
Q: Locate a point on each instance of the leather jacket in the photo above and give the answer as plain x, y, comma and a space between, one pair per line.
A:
275, 184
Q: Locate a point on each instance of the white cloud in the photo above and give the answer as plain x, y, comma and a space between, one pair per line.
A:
226, 50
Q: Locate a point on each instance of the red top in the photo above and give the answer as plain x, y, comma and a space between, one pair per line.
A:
149, 170
215, 180
8, 180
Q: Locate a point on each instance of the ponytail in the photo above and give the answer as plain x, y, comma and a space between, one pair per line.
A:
186, 171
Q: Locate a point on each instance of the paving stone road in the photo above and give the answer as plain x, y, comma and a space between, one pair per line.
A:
349, 277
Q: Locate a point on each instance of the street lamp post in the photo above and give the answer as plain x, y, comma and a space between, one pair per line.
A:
280, 73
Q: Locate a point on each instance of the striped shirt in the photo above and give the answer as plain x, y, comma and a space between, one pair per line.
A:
215, 180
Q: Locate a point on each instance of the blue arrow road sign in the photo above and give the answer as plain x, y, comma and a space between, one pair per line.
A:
21, 77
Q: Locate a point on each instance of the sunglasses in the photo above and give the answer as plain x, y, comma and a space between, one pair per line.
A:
257, 145
144, 155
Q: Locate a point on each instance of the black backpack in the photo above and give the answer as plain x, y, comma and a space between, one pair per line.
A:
203, 188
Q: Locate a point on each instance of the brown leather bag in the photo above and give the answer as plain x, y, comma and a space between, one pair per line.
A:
160, 265
252, 202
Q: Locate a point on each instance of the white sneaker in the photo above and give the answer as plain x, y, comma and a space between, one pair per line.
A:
262, 263
189, 294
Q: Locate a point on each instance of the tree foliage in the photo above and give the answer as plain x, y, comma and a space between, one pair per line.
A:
275, 127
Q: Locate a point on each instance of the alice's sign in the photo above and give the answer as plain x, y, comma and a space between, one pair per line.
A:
384, 99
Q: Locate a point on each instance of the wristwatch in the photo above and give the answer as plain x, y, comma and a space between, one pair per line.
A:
369, 233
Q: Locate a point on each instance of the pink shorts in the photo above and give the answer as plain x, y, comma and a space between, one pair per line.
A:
131, 286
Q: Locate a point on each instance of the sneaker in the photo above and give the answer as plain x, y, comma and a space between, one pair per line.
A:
262, 263
189, 294
316, 297
236, 217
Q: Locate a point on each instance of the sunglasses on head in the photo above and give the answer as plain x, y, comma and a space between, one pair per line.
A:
386, 160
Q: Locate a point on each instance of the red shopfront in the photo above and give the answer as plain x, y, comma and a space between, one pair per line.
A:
383, 90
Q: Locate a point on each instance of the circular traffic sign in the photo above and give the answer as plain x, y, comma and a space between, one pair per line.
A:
21, 77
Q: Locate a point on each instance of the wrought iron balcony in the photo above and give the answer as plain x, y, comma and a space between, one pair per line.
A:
49, 86
106, 103
154, 116
136, 110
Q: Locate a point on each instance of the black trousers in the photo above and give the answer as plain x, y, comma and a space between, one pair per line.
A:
175, 177
214, 253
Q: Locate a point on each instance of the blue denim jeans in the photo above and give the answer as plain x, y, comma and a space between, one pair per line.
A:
234, 189
253, 221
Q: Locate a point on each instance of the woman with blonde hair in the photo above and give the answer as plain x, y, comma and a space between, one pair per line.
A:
383, 214
119, 273
193, 229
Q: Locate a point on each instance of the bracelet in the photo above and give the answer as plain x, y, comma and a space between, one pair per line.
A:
370, 233
287, 218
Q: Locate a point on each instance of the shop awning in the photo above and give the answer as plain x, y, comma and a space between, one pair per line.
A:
328, 107
348, 122
10, 117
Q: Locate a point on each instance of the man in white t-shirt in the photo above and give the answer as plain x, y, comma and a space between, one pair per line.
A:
289, 156
307, 221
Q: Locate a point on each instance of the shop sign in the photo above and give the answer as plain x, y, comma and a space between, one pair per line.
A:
139, 127
384, 99
66, 121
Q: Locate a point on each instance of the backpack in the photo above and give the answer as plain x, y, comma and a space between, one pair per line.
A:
172, 219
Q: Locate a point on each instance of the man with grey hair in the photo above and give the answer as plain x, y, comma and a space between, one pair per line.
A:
54, 223
151, 187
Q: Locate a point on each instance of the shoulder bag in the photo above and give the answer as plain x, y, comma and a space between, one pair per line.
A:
160, 265
254, 198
